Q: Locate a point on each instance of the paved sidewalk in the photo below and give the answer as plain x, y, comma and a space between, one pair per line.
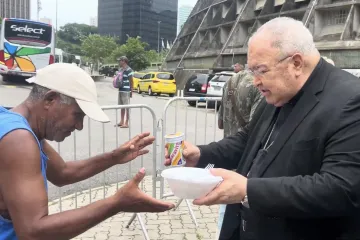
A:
172, 225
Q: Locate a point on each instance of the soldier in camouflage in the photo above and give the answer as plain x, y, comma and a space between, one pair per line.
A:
246, 96
239, 100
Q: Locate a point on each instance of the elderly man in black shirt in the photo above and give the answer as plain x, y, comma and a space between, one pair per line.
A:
298, 161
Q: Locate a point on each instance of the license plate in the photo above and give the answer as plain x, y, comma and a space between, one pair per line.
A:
191, 89
217, 88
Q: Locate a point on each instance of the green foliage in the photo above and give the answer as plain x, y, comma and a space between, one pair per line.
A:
68, 47
74, 32
153, 56
97, 47
134, 50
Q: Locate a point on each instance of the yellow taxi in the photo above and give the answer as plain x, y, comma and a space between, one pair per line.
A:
136, 78
157, 82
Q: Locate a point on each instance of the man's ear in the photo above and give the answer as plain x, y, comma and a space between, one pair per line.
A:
50, 98
298, 63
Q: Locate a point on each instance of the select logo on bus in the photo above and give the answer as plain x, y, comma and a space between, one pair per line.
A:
27, 29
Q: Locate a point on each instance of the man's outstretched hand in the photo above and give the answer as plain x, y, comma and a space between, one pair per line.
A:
133, 148
131, 199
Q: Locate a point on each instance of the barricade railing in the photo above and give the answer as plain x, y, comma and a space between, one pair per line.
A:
199, 112
109, 139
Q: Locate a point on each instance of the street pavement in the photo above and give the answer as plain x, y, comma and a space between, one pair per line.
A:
171, 225
199, 125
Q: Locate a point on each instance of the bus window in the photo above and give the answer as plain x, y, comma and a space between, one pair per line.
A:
27, 33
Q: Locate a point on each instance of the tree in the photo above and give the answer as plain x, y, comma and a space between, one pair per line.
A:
68, 47
134, 50
97, 47
74, 32
153, 56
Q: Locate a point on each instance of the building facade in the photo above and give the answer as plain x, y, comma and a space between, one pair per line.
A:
94, 21
183, 14
217, 32
152, 20
15, 9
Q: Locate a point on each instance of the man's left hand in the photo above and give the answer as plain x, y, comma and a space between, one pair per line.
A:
133, 148
231, 190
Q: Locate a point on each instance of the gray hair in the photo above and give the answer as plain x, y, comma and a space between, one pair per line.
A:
38, 93
288, 35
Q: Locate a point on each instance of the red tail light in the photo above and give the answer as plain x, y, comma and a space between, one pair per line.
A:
2, 58
155, 81
174, 82
52, 60
204, 88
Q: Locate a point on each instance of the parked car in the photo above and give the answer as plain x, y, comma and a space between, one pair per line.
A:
108, 70
216, 84
196, 86
136, 78
157, 82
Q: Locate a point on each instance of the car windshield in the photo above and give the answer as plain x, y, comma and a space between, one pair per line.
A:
221, 78
199, 79
165, 76
138, 75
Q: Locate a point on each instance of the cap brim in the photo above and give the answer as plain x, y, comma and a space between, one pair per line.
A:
93, 111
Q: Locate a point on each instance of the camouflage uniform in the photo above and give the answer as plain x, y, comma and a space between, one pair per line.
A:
247, 98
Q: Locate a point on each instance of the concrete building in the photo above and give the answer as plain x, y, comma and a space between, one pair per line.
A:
152, 20
183, 14
15, 9
94, 21
216, 34
46, 20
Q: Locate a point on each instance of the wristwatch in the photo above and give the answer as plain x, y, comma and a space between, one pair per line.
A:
245, 202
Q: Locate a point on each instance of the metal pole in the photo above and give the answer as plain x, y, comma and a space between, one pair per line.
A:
159, 37
56, 26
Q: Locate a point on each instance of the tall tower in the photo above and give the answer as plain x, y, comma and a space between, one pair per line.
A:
38, 9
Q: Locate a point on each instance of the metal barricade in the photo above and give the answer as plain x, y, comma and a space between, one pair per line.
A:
105, 141
189, 130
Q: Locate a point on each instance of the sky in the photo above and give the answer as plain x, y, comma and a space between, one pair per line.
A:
70, 11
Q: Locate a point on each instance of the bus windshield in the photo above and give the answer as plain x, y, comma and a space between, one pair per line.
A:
27, 33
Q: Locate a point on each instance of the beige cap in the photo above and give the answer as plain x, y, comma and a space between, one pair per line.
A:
72, 81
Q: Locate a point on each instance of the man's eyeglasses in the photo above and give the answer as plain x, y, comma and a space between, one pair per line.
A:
260, 70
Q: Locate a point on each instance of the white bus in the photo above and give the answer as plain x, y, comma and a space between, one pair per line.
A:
25, 47
63, 57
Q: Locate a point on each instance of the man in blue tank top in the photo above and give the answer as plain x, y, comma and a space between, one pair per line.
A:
62, 95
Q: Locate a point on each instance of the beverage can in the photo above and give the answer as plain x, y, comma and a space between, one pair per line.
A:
175, 145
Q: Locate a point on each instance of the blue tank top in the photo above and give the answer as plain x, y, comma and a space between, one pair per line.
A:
10, 121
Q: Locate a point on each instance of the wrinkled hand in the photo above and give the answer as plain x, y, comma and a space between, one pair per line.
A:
131, 199
191, 154
133, 148
231, 190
